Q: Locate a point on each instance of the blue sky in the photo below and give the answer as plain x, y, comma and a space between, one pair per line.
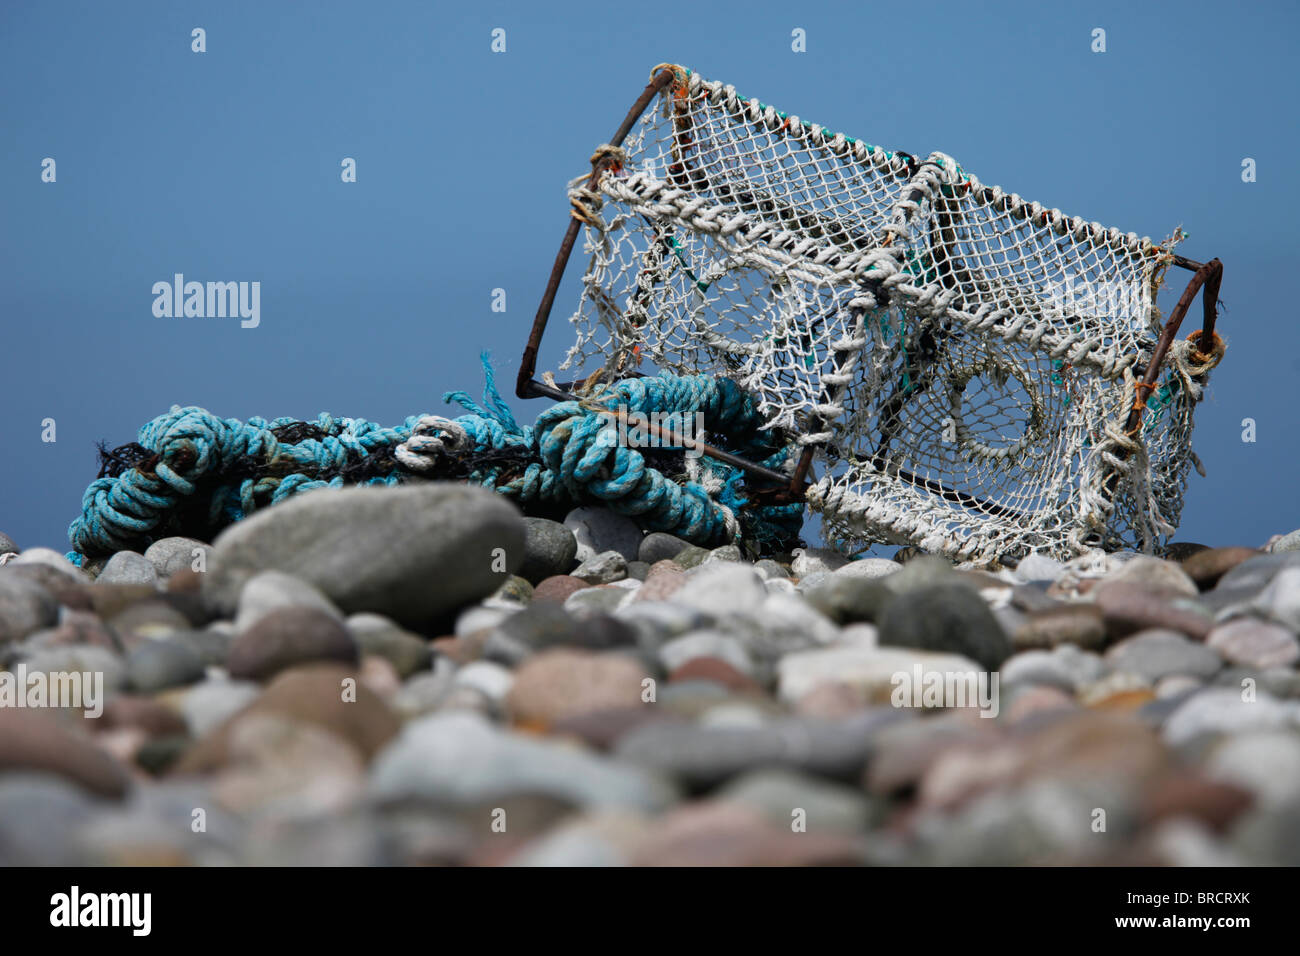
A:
376, 296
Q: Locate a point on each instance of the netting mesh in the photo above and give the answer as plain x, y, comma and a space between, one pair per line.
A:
962, 360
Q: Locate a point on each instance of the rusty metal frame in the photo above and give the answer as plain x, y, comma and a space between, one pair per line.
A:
790, 488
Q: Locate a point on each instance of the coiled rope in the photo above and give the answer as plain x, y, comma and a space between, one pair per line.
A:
192, 473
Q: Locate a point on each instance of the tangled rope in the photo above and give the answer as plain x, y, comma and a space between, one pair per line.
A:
193, 473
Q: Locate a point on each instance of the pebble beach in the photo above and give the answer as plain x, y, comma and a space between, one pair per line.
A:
424, 676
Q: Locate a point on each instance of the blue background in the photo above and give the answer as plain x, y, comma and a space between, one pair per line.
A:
376, 295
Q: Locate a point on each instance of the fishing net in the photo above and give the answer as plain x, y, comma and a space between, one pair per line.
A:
963, 361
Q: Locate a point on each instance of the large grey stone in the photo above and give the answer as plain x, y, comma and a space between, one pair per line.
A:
413, 553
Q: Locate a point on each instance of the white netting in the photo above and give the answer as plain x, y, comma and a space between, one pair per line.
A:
963, 360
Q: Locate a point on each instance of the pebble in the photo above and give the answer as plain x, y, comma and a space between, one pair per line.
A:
376, 634
1208, 566
870, 671
461, 758
721, 590
1265, 763
921, 571
562, 683
825, 807
549, 549
169, 555
1157, 654
660, 546
36, 741
601, 599
1250, 642
1258, 572
1220, 710
598, 529
412, 553
82, 658
208, 704
145, 620
948, 618
1082, 625
273, 590
655, 622
477, 618
288, 637
772, 570
1154, 575
48, 557
513, 592
701, 757
661, 582
1128, 608
40, 816
812, 560
1287, 542
718, 833
558, 588
425, 691
128, 567
727, 552
711, 645
323, 695
690, 557
536, 627
25, 607
490, 679
1065, 666
846, 599
158, 665
1281, 599
603, 568
1036, 566
717, 670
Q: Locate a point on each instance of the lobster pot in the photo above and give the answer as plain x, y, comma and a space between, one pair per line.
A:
964, 363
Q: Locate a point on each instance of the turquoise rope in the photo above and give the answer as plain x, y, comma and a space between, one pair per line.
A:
569, 460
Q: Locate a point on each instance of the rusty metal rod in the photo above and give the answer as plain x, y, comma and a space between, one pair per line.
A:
524, 385
1209, 275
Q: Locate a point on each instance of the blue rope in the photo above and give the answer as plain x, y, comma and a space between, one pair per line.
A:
209, 472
